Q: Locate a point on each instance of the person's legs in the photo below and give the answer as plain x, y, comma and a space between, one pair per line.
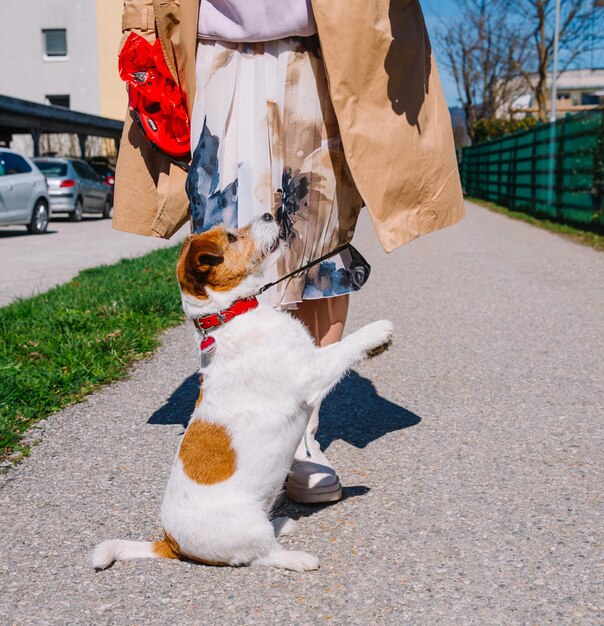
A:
325, 318
313, 479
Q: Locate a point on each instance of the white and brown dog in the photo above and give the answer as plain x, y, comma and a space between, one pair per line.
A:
259, 386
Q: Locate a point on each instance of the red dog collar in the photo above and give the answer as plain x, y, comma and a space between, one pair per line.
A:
222, 317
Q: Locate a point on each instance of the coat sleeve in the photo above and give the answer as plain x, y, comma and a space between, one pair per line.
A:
393, 118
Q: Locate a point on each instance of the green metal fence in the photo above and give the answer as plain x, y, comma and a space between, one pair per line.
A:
554, 170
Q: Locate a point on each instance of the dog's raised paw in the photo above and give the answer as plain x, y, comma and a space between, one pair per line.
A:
373, 338
373, 352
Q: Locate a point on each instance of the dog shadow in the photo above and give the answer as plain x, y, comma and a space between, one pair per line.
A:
353, 412
356, 414
179, 406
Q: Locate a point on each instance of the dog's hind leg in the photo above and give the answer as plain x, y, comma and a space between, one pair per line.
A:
256, 544
332, 362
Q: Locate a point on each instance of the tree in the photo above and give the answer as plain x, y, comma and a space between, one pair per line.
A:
484, 51
498, 49
577, 20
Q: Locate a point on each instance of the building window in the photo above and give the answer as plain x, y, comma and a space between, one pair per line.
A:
58, 101
589, 98
55, 42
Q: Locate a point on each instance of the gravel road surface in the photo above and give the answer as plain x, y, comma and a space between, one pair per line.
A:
471, 455
31, 264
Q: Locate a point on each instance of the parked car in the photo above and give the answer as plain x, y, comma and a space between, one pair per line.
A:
75, 188
101, 166
24, 195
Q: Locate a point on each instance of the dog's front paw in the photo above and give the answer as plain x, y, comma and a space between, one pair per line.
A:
373, 352
374, 338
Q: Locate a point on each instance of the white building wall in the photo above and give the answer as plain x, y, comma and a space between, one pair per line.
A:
24, 72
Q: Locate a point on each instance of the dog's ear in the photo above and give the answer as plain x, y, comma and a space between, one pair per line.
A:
205, 253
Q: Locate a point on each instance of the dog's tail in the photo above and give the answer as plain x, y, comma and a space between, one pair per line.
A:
113, 550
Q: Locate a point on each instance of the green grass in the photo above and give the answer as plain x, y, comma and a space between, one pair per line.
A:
585, 237
58, 347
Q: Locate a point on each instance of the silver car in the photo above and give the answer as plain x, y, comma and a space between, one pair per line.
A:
74, 187
23, 193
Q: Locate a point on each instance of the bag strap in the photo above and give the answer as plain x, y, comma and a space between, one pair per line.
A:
143, 20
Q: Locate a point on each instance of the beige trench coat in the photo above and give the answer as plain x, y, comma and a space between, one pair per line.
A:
394, 122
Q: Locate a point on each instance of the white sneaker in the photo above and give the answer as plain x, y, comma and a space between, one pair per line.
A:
312, 480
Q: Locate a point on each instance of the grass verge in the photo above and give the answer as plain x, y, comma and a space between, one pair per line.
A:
58, 347
585, 237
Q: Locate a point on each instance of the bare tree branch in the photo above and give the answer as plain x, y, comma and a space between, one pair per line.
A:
484, 54
496, 49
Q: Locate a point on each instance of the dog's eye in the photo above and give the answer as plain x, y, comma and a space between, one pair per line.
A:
232, 238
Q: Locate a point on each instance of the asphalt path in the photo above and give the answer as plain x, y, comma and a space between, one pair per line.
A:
470, 454
31, 264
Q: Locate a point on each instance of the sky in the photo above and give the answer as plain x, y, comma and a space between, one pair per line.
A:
435, 10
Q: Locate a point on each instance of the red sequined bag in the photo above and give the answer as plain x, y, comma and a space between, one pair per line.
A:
155, 99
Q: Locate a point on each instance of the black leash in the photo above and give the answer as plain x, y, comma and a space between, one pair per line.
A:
304, 267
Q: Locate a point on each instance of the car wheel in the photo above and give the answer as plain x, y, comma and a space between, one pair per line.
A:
76, 214
107, 208
39, 219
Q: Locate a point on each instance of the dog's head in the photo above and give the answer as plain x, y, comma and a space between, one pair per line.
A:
222, 265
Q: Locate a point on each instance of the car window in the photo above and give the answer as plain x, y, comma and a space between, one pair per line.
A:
77, 166
101, 169
84, 170
13, 164
52, 168
90, 173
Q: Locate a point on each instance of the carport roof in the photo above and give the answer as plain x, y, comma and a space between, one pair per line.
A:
21, 116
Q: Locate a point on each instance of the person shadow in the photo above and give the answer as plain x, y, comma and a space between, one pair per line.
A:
353, 412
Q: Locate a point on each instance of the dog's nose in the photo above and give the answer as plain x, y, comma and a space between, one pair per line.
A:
267, 217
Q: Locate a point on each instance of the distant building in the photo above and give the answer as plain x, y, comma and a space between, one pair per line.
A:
582, 87
578, 90
63, 53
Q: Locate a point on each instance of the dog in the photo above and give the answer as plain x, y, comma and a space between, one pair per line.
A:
262, 374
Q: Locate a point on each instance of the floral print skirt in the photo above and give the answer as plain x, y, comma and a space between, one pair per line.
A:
267, 140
